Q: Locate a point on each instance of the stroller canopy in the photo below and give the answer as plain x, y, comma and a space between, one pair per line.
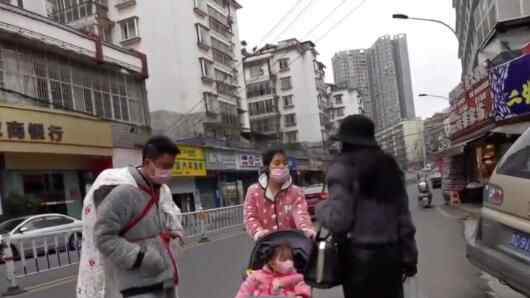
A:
299, 243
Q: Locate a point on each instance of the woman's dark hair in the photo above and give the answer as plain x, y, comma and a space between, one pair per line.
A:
378, 173
269, 155
158, 146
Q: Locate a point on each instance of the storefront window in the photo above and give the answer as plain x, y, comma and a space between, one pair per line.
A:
49, 188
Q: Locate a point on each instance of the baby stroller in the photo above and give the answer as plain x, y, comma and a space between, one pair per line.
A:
301, 246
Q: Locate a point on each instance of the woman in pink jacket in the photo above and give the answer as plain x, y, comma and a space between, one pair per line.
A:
277, 278
275, 203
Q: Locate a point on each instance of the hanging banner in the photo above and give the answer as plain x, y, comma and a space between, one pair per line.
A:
511, 88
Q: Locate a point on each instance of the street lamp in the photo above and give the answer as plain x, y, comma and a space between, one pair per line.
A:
401, 16
432, 95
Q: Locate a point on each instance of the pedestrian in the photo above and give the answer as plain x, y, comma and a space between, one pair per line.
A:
275, 203
277, 278
132, 230
368, 208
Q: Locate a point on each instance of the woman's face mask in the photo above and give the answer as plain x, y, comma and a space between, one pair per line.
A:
280, 175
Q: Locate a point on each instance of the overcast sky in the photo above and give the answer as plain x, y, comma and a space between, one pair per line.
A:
432, 48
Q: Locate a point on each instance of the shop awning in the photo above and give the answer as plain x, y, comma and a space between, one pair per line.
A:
512, 129
454, 150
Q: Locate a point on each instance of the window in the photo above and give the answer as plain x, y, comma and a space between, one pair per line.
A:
202, 36
211, 102
262, 107
340, 112
229, 116
338, 99
129, 28
200, 5
223, 58
256, 71
291, 137
206, 69
267, 125
259, 89
288, 101
70, 85
285, 83
290, 120
516, 161
284, 64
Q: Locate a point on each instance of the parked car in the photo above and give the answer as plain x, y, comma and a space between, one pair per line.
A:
314, 194
502, 244
48, 231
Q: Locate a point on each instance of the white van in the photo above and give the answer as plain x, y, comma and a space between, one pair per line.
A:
502, 246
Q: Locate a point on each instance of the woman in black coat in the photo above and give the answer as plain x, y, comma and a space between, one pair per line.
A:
368, 208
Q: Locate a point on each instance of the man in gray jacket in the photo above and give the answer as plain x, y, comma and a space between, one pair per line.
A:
368, 207
130, 230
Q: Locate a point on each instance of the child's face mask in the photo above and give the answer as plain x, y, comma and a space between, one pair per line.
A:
284, 267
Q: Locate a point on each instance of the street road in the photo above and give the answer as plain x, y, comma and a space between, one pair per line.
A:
213, 269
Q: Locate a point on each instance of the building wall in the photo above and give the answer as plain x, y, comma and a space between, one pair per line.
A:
169, 40
476, 23
382, 76
405, 142
350, 105
304, 74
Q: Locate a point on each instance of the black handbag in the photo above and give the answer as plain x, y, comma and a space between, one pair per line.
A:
324, 270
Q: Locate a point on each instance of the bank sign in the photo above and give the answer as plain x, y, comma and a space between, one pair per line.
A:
511, 88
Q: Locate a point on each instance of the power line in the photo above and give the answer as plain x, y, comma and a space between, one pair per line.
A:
300, 13
323, 20
335, 25
291, 10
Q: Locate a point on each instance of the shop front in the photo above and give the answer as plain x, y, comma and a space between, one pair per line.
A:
189, 184
50, 157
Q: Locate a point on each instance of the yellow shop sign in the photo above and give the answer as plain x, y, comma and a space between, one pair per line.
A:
190, 162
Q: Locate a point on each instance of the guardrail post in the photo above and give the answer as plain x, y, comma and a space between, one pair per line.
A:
12, 289
203, 217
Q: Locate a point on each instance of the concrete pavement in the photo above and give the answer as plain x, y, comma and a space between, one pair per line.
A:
213, 269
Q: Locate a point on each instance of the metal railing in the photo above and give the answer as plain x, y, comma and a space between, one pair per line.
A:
56, 250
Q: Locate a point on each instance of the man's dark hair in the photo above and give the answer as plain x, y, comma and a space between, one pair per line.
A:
158, 146
269, 155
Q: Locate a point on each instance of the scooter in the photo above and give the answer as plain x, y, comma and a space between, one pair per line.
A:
424, 194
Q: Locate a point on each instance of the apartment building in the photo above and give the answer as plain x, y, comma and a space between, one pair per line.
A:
351, 71
343, 102
490, 30
286, 93
405, 142
434, 134
382, 76
70, 107
193, 49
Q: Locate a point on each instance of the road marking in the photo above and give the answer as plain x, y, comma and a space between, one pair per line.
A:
69, 279
50, 284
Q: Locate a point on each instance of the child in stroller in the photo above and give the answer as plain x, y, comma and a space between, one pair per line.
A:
275, 264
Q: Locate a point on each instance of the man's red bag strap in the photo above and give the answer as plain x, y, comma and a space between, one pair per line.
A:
155, 197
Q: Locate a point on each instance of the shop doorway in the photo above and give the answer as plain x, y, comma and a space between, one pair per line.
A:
185, 201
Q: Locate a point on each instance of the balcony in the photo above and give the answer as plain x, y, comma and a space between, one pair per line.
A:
222, 58
223, 47
73, 14
122, 4
226, 89
220, 28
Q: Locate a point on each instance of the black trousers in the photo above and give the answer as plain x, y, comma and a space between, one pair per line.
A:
373, 273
